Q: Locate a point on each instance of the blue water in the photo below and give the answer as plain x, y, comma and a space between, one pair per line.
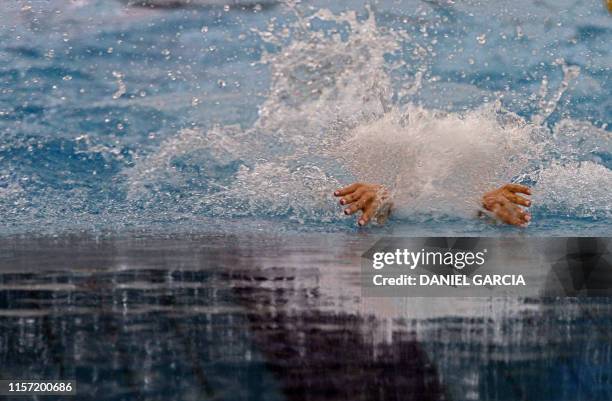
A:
166, 175
115, 117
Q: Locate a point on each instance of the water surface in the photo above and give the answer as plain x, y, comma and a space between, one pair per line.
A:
117, 117
168, 230
270, 318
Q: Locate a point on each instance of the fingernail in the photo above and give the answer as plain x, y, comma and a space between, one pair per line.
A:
527, 218
361, 222
528, 203
342, 201
336, 193
346, 211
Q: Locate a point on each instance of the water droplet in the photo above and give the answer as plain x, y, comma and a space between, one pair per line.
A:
221, 83
226, 8
519, 32
67, 78
204, 29
482, 39
121, 87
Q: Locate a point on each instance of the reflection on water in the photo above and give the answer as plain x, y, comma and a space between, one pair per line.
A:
267, 318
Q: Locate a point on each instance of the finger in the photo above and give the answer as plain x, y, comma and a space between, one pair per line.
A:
359, 205
353, 207
368, 212
347, 190
524, 215
517, 216
505, 213
508, 217
519, 200
518, 188
352, 197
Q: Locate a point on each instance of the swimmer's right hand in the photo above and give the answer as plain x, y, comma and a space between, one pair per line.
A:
371, 199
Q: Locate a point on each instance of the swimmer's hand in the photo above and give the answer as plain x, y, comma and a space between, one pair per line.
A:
373, 200
505, 204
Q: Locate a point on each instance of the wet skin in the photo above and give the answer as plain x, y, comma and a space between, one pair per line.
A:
374, 201
505, 203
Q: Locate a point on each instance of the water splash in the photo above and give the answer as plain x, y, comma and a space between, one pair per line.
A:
579, 189
440, 163
340, 107
331, 116
121, 87
548, 103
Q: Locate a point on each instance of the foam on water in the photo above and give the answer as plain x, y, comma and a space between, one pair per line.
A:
339, 108
331, 117
575, 189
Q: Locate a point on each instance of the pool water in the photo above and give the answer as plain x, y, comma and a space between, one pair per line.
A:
117, 117
166, 176
254, 317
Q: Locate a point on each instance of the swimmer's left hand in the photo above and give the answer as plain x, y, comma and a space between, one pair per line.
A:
371, 199
506, 204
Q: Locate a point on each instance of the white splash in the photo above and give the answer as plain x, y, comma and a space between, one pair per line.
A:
332, 116
440, 163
